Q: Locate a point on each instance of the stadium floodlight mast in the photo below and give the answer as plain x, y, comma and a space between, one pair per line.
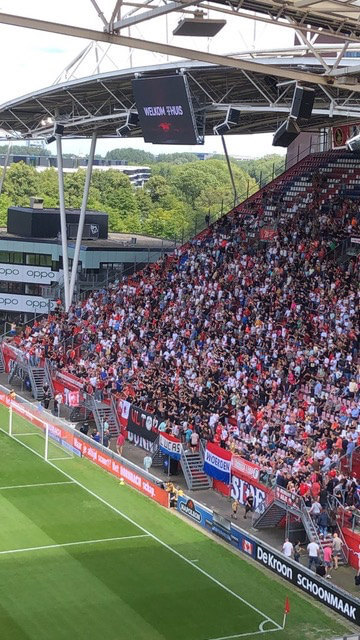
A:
64, 241
70, 279
82, 216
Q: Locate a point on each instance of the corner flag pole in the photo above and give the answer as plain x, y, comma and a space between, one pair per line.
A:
286, 611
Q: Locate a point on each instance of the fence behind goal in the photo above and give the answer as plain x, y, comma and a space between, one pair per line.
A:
33, 427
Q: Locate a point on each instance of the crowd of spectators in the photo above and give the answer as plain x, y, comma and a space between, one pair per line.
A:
252, 345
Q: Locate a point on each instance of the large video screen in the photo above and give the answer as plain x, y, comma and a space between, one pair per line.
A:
165, 110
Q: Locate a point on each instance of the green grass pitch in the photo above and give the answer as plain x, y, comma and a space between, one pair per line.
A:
82, 557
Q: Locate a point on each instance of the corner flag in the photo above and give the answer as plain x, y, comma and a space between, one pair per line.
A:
286, 610
287, 606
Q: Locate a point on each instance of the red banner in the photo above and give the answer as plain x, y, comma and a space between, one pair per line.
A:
340, 135
267, 234
245, 469
221, 487
10, 354
69, 386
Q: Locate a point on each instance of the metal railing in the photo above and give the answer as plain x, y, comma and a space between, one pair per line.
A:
48, 376
19, 327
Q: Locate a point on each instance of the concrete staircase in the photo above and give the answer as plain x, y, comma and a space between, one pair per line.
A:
37, 377
157, 456
271, 516
280, 503
2, 362
103, 412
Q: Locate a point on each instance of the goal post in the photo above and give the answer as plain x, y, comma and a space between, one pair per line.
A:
10, 420
29, 426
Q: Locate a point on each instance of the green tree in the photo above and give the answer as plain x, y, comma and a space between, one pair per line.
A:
263, 169
5, 203
48, 188
20, 183
131, 156
177, 158
23, 150
144, 203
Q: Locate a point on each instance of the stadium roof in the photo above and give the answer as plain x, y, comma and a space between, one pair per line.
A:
259, 83
102, 102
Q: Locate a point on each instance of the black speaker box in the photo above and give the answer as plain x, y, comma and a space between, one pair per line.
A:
302, 103
233, 116
286, 133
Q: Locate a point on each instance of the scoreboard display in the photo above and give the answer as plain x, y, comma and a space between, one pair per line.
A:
165, 110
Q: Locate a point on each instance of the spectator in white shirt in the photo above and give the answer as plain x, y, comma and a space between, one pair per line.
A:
313, 551
288, 548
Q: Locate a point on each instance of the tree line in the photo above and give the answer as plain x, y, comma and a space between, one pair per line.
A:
174, 203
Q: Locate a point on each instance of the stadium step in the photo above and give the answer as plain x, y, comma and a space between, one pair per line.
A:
271, 517
36, 375
2, 362
192, 466
103, 412
37, 381
157, 456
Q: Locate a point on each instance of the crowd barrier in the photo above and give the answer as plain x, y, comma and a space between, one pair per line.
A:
331, 596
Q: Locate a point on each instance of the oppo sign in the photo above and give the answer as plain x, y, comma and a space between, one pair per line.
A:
27, 273
26, 304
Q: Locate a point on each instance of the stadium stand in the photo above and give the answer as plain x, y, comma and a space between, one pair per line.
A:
248, 335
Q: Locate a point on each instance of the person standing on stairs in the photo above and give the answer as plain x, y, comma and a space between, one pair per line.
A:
336, 547
327, 559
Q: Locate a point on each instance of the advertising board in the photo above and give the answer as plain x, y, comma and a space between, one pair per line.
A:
28, 273
25, 303
336, 599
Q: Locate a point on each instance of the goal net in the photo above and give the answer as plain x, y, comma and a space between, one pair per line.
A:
34, 429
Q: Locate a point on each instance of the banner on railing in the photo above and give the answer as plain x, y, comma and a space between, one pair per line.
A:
244, 468
70, 387
170, 445
340, 135
142, 426
241, 489
217, 463
268, 234
289, 498
123, 409
10, 355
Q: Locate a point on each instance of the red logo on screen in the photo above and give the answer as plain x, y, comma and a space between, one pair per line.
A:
165, 126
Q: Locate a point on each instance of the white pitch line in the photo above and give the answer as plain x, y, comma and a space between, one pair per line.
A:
70, 544
249, 634
151, 535
63, 458
32, 433
39, 484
